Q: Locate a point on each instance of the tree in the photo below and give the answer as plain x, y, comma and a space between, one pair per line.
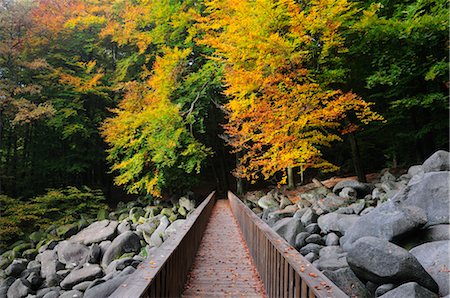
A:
281, 60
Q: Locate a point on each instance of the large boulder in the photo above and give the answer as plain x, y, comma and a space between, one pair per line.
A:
20, 288
267, 202
16, 267
105, 289
72, 252
435, 258
381, 262
173, 228
431, 193
332, 258
288, 228
49, 266
362, 189
86, 273
125, 242
336, 222
347, 281
389, 221
410, 289
439, 161
96, 232
156, 239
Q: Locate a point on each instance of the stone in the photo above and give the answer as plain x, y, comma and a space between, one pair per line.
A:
439, 161
366, 211
331, 202
358, 206
415, 170
435, 258
315, 238
300, 239
387, 176
156, 239
124, 226
187, 204
424, 235
331, 258
135, 213
346, 222
52, 294
126, 242
383, 289
86, 273
389, 221
104, 246
30, 254
5, 284
96, 232
362, 189
68, 230
288, 228
49, 266
19, 288
106, 288
410, 289
16, 267
267, 201
71, 294
35, 280
284, 202
311, 247
309, 217
72, 252
431, 193
379, 261
347, 281
173, 228
348, 193
331, 239
34, 264
49, 245
82, 286
312, 228
311, 257
94, 254
37, 236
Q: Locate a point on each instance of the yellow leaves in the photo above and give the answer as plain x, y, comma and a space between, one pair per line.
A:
88, 80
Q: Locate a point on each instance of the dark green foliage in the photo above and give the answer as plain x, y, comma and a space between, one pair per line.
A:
55, 208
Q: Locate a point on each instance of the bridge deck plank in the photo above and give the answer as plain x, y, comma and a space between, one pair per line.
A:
223, 266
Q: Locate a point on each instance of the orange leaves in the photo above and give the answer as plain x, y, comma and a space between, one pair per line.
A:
279, 115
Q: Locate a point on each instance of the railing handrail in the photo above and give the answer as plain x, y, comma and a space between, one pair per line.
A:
156, 268
315, 280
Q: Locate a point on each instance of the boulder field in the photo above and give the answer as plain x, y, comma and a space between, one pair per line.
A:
387, 238
89, 260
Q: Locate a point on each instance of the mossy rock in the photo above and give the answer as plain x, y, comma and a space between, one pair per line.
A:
30, 254
135, 213
22, 247
68, 230
127, 255
123, 216
182, 211
151, 211
173, 217
167, 212
102, 214
37, 236
6, 258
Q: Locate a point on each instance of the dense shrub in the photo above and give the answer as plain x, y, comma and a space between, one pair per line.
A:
19, 218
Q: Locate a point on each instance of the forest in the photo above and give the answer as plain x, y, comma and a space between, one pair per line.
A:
102, 100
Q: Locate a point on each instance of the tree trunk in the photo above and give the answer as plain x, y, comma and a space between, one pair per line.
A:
357, 162
290, 174
239, 181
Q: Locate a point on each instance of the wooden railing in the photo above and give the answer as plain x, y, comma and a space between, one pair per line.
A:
283, 270
164, 274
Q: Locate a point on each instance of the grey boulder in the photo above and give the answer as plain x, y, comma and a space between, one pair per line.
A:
96, 232
431, 193
347, 281
380, 261
71, 294
20, 288
435, 258
288, 228
16, 267
388, 221
361, 188
331, 258
125, 242
410, 290
72, 252
439, 161
86, 273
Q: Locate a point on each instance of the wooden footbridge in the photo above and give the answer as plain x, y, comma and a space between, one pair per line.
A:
225, 250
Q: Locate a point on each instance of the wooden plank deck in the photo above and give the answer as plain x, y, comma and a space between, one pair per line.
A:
223, 266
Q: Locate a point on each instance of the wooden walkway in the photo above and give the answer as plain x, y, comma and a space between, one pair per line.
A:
223, 266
